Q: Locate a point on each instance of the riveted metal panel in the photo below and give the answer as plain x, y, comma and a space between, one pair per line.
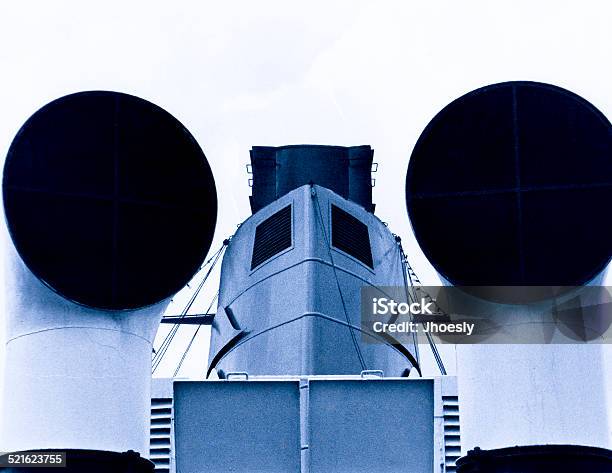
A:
237, 426
371, 426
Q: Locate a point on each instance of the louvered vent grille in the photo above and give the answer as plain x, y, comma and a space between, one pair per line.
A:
272, 236
351, 236
160, 443
452, 437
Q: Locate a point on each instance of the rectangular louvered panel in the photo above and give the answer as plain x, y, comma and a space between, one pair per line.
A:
272, 236
452, 436
351, 236
160, 446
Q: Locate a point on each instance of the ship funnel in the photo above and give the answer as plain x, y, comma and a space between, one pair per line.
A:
111, 206
292, 276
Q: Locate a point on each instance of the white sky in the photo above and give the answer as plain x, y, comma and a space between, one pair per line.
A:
241, 73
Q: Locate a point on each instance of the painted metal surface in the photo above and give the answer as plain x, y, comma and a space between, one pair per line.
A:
312, 424
505, 186
287, 316
95, 188
237, 426
371, 426
279, 170
74, 375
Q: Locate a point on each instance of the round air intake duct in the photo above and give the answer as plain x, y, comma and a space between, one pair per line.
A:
111, 206
510, 185
508, 192
109, 200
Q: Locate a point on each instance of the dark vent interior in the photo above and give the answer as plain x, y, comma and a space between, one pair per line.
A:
272, 236
96, 186
351, 236
522, 173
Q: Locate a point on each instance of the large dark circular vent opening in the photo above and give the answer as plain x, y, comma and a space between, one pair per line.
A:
109, 200
511, 185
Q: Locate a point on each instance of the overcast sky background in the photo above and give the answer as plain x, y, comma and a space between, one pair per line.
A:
240, 73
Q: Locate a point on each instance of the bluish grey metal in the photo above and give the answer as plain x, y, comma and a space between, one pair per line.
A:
287, 315
309, 425
371, 426
278, 170
512, 171
198, 319
237, 426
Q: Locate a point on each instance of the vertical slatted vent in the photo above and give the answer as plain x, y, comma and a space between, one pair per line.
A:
160, 442
272, 236
452, 436
351, 236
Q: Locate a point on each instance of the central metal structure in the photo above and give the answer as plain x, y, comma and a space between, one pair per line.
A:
289, 298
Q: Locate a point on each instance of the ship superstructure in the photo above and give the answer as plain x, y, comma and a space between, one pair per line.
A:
292, 274
111, 206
